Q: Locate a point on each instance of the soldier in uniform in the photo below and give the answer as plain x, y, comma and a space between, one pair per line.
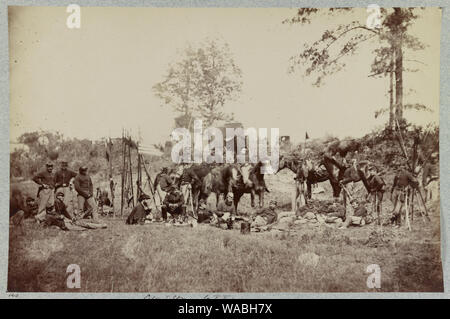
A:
377, 189
399, 192
139, 212
163, 182
85, 189
225, 211
173, 204
430, 176
266, 216
46, 181
55, 213
63, 178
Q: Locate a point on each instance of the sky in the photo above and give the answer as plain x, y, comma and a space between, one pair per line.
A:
95, 81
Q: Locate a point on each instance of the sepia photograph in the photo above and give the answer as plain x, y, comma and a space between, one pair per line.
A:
224, 150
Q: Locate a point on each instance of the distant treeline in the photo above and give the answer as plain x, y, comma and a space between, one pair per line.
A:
41, 147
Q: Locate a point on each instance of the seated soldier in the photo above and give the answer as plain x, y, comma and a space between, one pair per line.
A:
16, 211
31, 207
225, 211
139, 212
266, 216
173, 204
55, 213
61, 208
204, 214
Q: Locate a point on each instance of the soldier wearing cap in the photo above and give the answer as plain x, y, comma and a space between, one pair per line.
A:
85, 189
376, 188
162, 183
139, 212
31, 208
63, 178
173, 204
430, 175
266, 216
402, 181
46, 181
54, 217
225, 211
60, 206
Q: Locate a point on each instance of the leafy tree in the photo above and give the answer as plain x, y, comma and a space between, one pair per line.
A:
326, 55
200, 83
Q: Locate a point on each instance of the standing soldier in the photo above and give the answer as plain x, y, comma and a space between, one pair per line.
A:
402, 181
46, 181
430, 176
377, 188
162, 184
85, 189
62, 184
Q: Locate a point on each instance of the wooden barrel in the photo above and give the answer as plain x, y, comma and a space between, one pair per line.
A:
245, 228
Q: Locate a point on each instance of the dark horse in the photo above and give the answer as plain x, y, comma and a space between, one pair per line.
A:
221, 179
252, 183
345, 175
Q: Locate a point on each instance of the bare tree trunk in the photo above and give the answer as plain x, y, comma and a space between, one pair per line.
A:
399, 82
391, 94
398, 42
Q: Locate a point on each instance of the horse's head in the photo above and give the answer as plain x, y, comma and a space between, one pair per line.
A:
246, 171
281, 163
235, 174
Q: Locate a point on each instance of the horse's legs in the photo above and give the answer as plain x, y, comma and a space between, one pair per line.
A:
237, 198
261, 198
252, 198
217, 199
308, 185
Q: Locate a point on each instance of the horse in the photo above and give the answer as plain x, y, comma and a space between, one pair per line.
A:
221, 180
346, 174
252, 183
304, 172
194, 176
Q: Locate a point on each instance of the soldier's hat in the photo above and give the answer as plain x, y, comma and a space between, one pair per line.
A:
143, 197
59, 194
49, 164
29, 199
64, 162
273, 201
83, 168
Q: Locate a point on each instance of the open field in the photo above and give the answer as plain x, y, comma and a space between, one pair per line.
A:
156, 258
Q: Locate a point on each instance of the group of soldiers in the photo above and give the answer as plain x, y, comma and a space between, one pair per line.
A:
56, 198
404, 185
176, 201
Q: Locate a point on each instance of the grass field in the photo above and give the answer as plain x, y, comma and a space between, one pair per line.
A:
156, 258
